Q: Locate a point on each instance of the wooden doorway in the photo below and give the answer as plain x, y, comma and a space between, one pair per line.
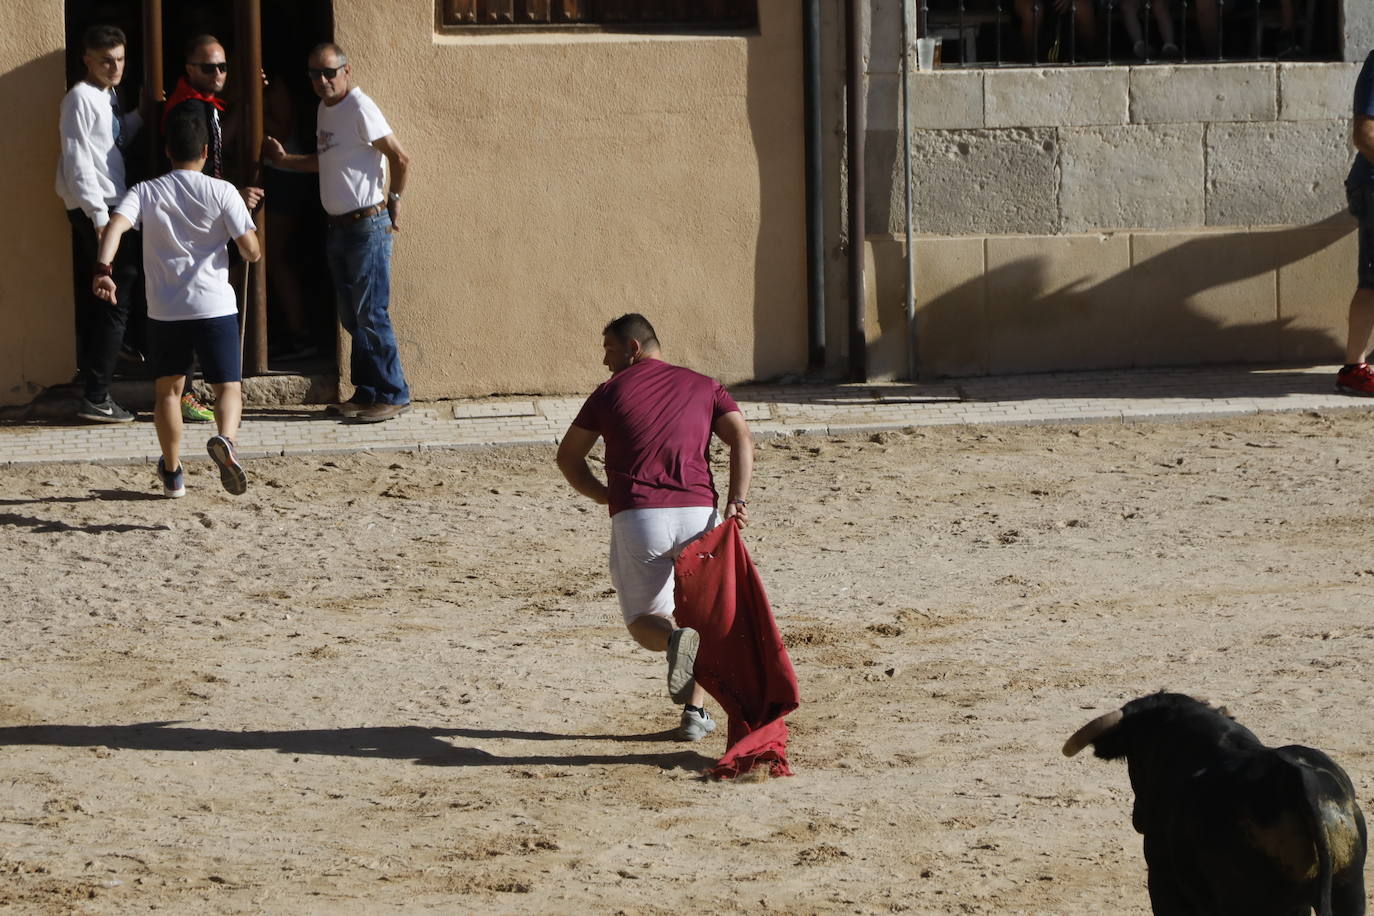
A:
287, 304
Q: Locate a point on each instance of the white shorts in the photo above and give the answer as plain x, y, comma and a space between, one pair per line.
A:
644, 544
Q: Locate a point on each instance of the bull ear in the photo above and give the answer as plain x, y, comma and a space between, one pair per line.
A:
1092, 731
1222, 710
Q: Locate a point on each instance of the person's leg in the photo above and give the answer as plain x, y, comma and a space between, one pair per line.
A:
167, 419
1356, 377
341, 258
99, 325
1360, 324
1028, 12
1206, 12
372, 311
217, 345
644, 545
1165, 20
1085, 33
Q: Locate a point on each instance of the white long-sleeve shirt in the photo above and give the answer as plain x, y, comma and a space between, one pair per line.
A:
90, 170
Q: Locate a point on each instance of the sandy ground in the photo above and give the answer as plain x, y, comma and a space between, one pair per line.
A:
390, 683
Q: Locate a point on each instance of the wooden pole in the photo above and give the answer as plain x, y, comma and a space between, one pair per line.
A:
250, 45
154, 90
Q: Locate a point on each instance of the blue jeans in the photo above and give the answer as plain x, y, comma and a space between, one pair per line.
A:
359, 255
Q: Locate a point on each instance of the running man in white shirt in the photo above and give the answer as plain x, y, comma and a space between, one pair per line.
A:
187, 219
90, 180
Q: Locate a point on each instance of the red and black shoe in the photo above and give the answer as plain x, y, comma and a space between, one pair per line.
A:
1356, 379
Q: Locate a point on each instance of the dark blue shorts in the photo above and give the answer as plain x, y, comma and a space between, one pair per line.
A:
215, 341
1361, 198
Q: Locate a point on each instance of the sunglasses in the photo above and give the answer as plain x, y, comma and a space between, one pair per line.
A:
327, 72
212, 69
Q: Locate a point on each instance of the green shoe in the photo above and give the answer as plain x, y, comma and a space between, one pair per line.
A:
193, 411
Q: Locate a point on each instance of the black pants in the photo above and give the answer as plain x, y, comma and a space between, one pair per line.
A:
100, 325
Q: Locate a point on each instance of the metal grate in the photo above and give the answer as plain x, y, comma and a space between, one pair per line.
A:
455, 14
994, 33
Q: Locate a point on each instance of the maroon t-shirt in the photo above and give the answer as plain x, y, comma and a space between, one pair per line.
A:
656, 419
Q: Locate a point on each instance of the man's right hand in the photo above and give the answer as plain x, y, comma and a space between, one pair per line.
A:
104, 288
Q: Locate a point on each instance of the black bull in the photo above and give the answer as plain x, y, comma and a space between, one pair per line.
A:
1231, 827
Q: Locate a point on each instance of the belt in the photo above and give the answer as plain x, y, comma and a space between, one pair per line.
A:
352, 216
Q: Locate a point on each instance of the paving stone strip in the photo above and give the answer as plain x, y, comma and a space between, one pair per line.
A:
1066, 398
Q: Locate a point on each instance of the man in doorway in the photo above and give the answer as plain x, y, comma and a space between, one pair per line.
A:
356, 150
657, 420
1357, 376
188, 219
199, 91
90, 180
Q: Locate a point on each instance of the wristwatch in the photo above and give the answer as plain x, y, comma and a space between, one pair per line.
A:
393, 197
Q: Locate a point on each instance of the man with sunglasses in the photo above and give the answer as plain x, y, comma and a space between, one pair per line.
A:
198, 90
355, 151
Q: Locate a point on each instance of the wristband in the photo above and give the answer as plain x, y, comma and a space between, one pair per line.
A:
739, 502
103, 270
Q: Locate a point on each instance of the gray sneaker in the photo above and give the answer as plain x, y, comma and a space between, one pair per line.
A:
682, 660
231, 474
107, 411
696, 724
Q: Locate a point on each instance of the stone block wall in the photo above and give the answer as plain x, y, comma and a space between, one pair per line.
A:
1101, 217
1052, 151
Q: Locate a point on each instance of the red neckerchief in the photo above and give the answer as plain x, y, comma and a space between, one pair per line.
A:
184, 91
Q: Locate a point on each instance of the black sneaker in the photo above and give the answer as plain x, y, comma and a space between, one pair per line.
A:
107, 411
173, 482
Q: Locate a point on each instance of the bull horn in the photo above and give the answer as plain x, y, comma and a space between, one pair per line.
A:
1091, 732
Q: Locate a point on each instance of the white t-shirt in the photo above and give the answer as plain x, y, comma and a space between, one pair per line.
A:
352, 170
188, 219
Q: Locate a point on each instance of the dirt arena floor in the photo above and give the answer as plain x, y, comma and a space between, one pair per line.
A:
399, 683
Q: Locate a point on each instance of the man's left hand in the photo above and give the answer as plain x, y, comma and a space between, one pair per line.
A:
394, 208
739, 512
252, 196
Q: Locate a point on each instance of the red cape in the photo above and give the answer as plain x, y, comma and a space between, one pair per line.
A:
742, 661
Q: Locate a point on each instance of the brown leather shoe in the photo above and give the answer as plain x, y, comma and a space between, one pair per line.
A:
348, 409
379, 412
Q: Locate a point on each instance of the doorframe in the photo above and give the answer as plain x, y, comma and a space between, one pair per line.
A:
248, 47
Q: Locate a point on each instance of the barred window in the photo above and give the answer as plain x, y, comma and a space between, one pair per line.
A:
994, 33
694, 14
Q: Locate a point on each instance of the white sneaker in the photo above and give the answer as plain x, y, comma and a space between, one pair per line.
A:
696, 724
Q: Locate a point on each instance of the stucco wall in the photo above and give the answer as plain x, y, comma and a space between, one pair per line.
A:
559, 181
35, 260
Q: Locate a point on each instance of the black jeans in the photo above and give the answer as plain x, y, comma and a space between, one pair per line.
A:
100, 325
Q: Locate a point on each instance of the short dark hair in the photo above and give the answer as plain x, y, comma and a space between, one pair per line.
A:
339, 56
633, 326
103, 37
187, 134
199, 41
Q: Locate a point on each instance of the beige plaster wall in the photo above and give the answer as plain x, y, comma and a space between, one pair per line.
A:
559, 181
35, 260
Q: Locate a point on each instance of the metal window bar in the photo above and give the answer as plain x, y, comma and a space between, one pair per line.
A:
998, 33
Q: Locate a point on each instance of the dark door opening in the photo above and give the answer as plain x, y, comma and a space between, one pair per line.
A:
300, 325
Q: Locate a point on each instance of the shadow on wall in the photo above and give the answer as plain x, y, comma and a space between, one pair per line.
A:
36, 264
1040, 304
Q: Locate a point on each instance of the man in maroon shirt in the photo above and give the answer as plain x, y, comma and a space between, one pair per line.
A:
657, 420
